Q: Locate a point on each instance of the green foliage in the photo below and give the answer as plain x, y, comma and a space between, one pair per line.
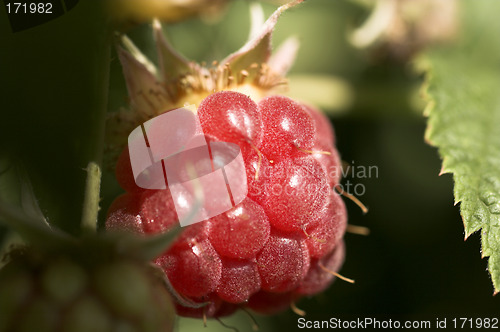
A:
53, 91
464, 122
20, 211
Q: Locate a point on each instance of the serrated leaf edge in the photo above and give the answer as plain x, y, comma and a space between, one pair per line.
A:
422, 64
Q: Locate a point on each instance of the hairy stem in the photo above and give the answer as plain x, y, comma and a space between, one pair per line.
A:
91, 201
92, 197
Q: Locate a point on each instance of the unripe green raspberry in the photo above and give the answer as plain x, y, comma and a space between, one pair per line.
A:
15, 288
87, 314
63, 280
111, 281
65, 293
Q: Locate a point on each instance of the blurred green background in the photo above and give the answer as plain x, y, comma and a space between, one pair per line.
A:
413, 265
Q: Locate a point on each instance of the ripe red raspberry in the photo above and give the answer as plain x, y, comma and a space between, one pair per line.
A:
283, 262
287, 127
296, 193
318, 278
280, 243
239, 121
240, 233
192, 265
239, 280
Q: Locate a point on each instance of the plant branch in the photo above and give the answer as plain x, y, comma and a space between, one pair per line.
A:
91, 201
92, 197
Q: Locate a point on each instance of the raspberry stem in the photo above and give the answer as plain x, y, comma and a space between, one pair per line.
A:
92, 197
93, 185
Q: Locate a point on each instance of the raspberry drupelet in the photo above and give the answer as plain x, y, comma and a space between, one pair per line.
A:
282, 242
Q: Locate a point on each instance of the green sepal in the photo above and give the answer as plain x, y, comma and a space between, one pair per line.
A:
257, 50
172, 64
19, 209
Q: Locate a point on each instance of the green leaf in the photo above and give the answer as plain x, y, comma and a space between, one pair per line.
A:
463, 84
53, 91
16, 190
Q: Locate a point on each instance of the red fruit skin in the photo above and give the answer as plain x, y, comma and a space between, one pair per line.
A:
165, 136
317, 279
157, 211
324, 233
258, 171
329, 159
191, 264
124, 214
283, 263
331, 163
265, 253
286, 127
231, 117
240, 232
239, 280
296, 193
324, 130
146, 212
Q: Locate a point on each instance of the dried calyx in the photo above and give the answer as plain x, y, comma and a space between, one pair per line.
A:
176, 81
